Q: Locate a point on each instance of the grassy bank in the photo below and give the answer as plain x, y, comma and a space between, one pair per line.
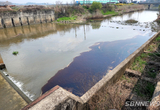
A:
109, 13
88, 12
66, 18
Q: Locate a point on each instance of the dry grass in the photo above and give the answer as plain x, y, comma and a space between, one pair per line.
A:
114, 96
128, 8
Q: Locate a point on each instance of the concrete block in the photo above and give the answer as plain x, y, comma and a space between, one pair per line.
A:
43, 18
16, 21
56, 99
24, 20
8, 22
52, 17
48, 18
31, 20
155, 98
37, 19
1, 26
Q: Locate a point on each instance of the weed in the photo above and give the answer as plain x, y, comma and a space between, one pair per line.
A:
152, 74
66, 18
158, 38
109, 13
125, 78
139, 63
131, 21
150, 89
15, 53
144, 89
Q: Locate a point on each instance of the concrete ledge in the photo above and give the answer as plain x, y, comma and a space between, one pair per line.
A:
156, 98
8, 22
1, 26
24, 20
16, 21
56, 99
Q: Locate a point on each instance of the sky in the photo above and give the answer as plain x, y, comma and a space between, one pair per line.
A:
38, 1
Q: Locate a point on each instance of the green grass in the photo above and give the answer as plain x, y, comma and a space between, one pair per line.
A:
15, 8
144, 89
149, 89
66, 18
109, 13
125, 78
15, 53
139, 63
137, 89
150, 48
152, 74
158, 38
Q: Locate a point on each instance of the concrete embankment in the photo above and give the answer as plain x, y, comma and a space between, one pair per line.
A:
25, 18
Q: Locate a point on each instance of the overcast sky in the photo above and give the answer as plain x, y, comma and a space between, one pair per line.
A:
37, 1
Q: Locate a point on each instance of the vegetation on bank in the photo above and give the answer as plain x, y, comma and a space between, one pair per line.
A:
68, 12
95, 10
109, 13
158, 16
66, 18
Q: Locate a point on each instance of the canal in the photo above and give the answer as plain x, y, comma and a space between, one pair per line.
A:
72, 56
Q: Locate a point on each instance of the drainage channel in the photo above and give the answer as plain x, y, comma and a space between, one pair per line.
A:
5, 76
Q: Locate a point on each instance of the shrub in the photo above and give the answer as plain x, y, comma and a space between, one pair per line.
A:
95, 6
107, 7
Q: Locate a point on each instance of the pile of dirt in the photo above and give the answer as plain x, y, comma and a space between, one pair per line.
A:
131, 21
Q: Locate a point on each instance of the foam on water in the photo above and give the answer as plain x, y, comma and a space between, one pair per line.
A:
20, 86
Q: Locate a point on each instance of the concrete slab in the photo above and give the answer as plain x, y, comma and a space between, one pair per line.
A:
16, 21
56, 99
9, 98
1, 26
8, 22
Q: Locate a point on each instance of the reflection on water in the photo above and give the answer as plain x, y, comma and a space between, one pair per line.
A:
70, 55
90, 67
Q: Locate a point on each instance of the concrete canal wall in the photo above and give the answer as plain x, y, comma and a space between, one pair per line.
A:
60, 99
25, 18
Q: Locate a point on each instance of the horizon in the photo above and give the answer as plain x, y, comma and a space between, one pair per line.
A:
36, 1
46, 1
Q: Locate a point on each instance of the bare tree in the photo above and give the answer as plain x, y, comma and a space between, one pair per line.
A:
59, 2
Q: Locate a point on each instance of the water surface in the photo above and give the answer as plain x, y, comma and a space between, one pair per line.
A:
70, 55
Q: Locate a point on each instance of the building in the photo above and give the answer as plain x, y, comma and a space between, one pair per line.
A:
91, 1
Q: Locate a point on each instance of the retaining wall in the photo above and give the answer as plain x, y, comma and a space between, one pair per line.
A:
60, 99
25, 18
